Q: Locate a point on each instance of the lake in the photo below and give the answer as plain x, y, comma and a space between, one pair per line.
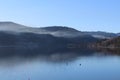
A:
24, 64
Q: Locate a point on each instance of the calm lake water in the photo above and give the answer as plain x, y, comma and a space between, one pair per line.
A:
81, 65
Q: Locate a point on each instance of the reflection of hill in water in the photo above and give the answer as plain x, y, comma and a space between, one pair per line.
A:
114, 51
16, 56
26, 52
11, 55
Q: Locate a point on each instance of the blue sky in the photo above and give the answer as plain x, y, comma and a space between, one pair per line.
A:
84, 15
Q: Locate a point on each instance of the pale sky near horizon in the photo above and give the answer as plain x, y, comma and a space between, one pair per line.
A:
84, 15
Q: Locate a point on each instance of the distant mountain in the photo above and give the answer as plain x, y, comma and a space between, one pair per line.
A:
18, 28
62, 31
59, 28
102, 35
57, 31
54, 38
118, 34
11, 26
67, 31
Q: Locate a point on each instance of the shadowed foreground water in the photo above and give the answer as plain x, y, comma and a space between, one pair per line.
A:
22, 64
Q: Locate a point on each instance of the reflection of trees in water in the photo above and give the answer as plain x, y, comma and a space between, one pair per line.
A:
20, 55
114, 51
15, 55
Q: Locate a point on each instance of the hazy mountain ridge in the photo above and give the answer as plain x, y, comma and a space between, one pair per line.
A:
59, 28
100, 34
11, 26
52, 38
58, 31
118, 34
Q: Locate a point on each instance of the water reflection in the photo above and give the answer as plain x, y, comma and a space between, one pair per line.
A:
15, 56
22, 64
